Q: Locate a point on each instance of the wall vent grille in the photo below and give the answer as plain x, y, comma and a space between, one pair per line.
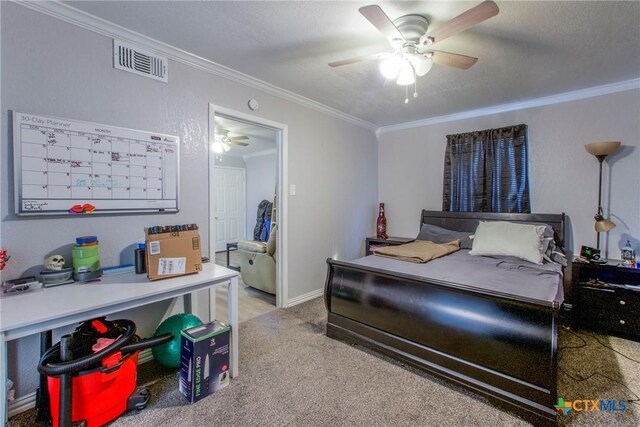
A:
138, 61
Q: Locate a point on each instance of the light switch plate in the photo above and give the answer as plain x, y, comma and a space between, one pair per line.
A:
292, 189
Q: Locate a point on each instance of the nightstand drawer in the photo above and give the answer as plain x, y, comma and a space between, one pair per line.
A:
609, 299
618, 322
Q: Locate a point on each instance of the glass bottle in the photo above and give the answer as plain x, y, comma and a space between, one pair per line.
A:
628, 255
381, 224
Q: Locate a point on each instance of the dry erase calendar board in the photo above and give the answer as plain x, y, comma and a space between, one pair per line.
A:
59, 163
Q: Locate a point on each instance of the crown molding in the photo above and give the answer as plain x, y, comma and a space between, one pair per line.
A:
71, 15
538, 102
259, 154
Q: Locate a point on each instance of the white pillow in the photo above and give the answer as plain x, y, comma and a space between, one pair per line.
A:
503, 238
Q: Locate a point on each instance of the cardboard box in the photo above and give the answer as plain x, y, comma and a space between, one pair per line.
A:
172, 254
204, 360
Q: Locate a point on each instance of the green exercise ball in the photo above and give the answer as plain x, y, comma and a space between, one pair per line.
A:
168, 354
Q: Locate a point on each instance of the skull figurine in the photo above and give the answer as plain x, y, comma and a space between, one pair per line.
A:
54, 262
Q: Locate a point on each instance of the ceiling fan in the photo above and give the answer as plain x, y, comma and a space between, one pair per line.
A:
412, 54
223, 142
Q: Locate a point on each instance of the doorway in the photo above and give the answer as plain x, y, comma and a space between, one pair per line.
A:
242, 147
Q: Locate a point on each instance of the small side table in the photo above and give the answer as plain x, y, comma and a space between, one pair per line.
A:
373, 243
232, 247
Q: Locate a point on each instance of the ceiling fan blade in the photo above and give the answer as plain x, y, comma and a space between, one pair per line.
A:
241, 144
471, 17
381, 21
360, 59
238, 138
453, 59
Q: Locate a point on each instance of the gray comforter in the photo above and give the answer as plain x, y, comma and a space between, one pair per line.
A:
504, 275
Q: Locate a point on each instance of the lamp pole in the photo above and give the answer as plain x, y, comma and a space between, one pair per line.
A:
599, 216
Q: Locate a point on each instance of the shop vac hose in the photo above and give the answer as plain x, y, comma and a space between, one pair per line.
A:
83, 363
147, 343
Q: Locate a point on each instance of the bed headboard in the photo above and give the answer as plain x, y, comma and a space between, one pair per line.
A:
468, 221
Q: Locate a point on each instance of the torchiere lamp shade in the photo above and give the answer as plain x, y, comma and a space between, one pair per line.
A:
602, 148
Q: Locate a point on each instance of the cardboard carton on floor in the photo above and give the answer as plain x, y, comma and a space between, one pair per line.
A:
172, 254
204, 360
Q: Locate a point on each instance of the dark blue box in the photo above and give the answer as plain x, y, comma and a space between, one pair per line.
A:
204, 360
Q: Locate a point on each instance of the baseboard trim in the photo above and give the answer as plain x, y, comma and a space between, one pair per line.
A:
304, 298
22, 403
28, 401
145, 356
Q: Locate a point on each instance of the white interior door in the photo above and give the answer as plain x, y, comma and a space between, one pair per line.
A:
229, 184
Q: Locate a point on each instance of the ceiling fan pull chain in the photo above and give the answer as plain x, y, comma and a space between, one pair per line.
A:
415, 85
406, 94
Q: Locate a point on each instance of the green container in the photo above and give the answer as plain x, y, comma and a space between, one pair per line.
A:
86, 259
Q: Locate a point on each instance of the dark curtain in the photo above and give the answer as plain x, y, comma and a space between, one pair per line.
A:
487, 171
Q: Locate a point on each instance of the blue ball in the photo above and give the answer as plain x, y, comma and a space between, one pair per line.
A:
168, 354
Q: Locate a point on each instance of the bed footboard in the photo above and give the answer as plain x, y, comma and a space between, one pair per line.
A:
500, 348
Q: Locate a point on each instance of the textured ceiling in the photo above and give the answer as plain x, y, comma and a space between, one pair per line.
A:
531, 49
261, 138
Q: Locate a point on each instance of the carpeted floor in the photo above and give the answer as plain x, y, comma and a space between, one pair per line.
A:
291, 374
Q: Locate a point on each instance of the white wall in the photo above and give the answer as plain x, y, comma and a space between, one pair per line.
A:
261, 184
230, 161
563, 176
51, 67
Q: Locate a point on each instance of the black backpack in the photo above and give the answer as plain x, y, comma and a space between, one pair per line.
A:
264, 213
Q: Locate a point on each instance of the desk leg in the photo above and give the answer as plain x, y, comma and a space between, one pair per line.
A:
212, 303
187, 300
233, 321
4, 406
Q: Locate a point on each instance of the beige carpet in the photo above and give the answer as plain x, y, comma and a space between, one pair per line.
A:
291, 374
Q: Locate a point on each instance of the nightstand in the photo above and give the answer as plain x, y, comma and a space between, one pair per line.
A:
373, 243
607, 298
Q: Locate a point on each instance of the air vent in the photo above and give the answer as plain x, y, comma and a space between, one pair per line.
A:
138, 61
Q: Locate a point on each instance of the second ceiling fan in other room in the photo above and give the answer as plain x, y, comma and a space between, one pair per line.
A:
223, 141
408, 35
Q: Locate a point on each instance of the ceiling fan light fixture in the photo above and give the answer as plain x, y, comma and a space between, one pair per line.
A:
390, 67
421, 64
217, 147
409, 33
407, 75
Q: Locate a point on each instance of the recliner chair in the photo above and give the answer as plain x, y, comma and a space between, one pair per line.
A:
258, 262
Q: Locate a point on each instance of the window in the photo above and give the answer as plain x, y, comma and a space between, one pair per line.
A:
487, 171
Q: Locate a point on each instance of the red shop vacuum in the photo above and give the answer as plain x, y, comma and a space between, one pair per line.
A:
91, 374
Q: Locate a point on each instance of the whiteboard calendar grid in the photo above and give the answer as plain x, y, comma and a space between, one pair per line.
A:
60, 163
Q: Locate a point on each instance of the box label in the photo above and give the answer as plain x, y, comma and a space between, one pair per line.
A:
171, 266
154, 247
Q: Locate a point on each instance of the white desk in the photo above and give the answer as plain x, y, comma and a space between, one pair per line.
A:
46, 309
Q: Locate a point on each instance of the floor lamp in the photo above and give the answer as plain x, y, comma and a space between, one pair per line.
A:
601, 150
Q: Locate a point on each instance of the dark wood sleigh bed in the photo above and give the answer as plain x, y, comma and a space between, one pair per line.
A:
501, 346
